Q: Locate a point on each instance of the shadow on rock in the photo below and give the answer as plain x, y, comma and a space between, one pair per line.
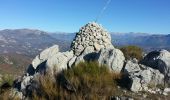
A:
91, 56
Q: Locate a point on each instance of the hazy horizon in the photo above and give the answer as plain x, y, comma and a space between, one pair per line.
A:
78, 29
145, 16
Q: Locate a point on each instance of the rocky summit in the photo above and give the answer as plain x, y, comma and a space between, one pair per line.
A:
93, 43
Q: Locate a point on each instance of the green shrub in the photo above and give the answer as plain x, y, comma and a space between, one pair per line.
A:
132, 52
6, 83
7, 79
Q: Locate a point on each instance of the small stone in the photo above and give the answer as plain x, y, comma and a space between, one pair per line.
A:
97, 46
71, 61
79, 49
90, 43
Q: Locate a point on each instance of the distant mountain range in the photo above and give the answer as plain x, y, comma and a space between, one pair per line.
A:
31, 42
27, 42
148, 42
19, 46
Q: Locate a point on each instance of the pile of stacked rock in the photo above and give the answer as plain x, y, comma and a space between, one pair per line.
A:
92, 34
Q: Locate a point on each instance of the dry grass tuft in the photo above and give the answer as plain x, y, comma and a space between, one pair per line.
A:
93, 81
89, 80
7, 95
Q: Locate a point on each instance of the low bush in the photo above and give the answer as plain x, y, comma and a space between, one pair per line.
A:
6, 79
132, 52
6, 83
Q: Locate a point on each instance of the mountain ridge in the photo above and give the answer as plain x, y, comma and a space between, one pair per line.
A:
32, 41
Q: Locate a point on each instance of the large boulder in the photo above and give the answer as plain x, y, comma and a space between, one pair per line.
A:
142, 77
44, 55
59, 61
92, 34
112, 57
89, 54
159, 60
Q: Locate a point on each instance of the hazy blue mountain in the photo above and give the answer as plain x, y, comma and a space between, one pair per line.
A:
147, 41
67, 37
31, 42
122, 39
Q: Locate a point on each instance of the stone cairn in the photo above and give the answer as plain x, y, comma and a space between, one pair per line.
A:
92, 34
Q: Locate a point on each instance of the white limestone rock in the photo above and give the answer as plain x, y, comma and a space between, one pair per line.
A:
72, 61
136, 85
131, 67
112, 57
158, 60
25, 82
166, 91
44, 55
88, 54
59, 61
142, 76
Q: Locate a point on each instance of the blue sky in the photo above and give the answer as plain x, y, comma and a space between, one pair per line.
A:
150, 16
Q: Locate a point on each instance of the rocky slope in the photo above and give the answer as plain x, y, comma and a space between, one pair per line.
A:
93, 43
13, 64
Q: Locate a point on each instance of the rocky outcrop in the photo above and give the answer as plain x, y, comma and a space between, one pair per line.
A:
159, 60
93, 43
142, 78
111, 57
